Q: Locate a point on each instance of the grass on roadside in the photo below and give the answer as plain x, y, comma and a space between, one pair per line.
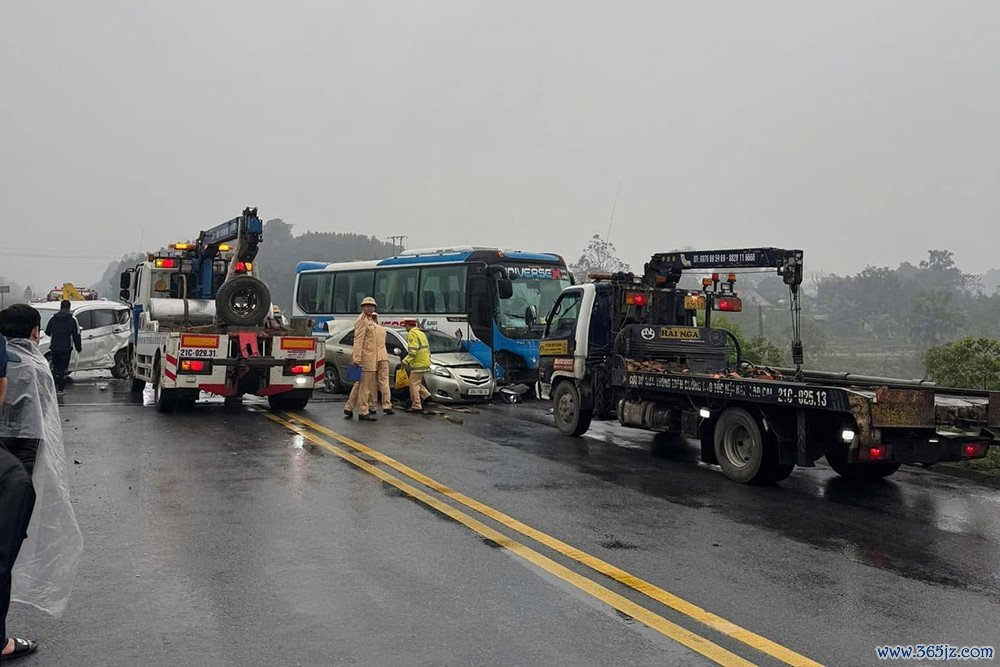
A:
989, 465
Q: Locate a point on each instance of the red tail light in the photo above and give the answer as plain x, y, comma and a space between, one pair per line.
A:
974, 450
876, 453
636, 299
243, 267
165, 263
195, 366
731, 304
300, 369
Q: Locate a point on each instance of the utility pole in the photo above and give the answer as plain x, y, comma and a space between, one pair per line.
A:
397, 239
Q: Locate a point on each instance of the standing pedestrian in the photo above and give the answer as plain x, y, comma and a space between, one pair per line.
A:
381, 370
417, 362
44, 564
364, 355
64, 333
17, 498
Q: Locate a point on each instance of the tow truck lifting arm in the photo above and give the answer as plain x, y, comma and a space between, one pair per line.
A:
665, 269
668, 266
248, 232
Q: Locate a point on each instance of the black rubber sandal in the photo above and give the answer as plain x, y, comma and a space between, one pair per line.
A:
22, 647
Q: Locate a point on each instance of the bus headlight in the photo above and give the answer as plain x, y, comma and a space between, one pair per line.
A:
440, 371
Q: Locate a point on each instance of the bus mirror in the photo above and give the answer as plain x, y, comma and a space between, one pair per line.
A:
505, 288
125, 295
530, 315
125, 282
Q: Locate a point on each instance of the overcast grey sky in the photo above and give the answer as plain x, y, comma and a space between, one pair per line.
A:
863, 132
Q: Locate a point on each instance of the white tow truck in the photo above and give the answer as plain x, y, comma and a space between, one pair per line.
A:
201, 322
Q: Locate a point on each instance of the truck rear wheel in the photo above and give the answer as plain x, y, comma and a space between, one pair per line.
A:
836, 456
290, 400
164, 399
571, 419
243, 301
743, 452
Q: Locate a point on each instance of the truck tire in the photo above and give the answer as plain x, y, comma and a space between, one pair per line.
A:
570, 418
296, 399
836, 456
744, 454
164, 399
243, 301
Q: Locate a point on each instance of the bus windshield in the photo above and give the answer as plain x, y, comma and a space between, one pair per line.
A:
538, 292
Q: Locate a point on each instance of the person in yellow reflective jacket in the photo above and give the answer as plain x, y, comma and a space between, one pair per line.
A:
417, 362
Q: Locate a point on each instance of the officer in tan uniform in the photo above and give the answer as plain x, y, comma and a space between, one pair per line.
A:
365, 355
381, 371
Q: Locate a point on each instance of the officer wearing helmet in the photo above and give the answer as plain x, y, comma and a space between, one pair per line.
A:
365, 355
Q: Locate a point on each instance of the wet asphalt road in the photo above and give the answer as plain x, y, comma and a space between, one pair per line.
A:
220, 537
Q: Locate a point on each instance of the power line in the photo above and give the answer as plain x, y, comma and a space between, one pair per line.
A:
52, 254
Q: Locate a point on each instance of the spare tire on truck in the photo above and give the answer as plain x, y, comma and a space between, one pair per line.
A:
243, 301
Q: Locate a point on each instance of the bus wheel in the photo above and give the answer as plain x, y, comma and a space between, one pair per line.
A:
744, 454
571, 419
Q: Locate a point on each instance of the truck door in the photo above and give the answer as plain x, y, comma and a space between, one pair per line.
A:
559, 343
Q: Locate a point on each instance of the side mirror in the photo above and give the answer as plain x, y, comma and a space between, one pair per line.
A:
505, 288
125, 295
125, 282
530, 315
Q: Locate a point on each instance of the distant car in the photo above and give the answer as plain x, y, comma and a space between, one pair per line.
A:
455, 375
104, 335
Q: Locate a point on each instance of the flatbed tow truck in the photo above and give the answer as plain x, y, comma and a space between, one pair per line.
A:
631, 348
203, 322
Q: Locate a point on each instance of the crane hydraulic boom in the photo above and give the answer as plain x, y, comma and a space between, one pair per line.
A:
665, 269
248, 233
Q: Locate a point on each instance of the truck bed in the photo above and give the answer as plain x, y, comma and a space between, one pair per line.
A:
891, 404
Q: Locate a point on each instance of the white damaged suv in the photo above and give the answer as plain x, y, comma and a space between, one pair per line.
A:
105, 335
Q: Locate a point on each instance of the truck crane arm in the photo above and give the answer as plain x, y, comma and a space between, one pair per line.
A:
665, 269
247, 231
668, 266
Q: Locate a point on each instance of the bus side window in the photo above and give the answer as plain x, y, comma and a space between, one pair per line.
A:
395, 289
442, 289
351, 287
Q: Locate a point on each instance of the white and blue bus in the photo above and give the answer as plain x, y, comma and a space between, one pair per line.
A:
493, 300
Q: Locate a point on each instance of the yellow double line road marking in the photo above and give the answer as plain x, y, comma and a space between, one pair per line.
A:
676, 632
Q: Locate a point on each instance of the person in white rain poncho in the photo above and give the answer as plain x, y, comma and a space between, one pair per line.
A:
31, 430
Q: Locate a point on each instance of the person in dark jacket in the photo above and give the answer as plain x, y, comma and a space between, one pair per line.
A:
64, 333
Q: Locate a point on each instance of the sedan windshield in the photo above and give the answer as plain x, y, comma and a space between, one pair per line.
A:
441, 343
